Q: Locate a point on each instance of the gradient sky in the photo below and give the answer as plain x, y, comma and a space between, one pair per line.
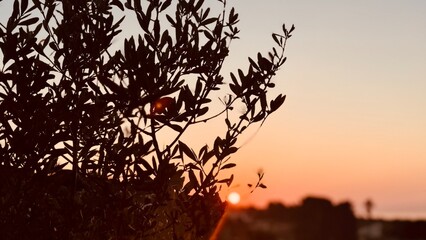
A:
354, 123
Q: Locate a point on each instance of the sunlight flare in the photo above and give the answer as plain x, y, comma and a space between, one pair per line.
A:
234, 198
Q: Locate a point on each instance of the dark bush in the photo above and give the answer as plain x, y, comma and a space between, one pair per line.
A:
80, 154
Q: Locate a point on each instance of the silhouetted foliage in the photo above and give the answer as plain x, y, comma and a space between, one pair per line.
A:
297, 222
80, 145
315, 218
320, 219
369, 205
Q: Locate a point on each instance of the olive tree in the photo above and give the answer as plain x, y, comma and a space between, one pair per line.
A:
80, 148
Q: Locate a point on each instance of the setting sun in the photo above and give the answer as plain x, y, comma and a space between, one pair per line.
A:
234, 198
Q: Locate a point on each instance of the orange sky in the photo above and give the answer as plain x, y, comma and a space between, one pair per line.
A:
354, 123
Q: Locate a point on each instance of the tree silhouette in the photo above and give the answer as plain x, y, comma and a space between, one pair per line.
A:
79, 134
369, 205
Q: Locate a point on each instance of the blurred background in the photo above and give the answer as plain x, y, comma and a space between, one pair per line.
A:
353, 126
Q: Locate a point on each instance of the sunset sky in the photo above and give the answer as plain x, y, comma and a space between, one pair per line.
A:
354, 123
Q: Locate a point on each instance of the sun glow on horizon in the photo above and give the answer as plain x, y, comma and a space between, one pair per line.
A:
234, 198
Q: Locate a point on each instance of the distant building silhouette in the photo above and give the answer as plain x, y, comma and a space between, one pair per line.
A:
370, 230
